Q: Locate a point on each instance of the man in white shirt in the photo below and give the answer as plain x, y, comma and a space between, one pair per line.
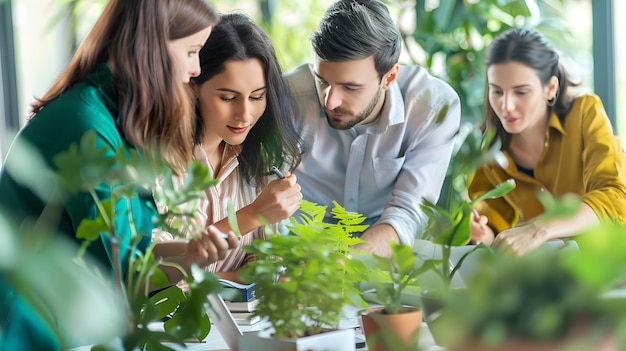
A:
377, 137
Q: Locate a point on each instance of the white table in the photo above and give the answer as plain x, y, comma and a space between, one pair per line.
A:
214, 341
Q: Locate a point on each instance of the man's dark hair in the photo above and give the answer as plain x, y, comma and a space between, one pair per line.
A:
356, 29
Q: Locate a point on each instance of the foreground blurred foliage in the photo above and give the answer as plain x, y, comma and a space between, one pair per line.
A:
545, 294
114, 184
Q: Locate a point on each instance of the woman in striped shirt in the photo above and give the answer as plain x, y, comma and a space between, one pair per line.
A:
244, 128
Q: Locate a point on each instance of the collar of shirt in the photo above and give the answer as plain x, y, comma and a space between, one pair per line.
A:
102, 78
392, 112
555, 124
229, 160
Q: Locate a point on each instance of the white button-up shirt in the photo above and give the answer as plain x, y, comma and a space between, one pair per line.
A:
385, 169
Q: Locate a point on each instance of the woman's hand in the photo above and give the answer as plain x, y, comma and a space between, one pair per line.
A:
522, 239
481, 232
210, 246
531, 235
279, 200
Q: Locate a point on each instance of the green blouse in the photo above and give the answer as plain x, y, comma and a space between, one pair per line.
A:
28, 184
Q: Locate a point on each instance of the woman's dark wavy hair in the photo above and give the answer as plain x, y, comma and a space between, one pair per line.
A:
532, 49
273, 140
356, 29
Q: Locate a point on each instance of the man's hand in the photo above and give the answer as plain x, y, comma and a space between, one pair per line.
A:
378, 238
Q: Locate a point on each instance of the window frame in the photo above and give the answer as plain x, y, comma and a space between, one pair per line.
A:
604, 82
9, 120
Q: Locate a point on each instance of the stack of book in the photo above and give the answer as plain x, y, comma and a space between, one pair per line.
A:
241, 301
245, 318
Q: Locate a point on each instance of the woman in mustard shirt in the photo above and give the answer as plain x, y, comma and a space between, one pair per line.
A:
553, 141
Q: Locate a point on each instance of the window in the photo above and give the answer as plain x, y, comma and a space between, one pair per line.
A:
620, 56
36, 37
8, 89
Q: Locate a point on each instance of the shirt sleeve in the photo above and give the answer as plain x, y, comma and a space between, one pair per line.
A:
425, 165
141, 207
79, 114
604, 162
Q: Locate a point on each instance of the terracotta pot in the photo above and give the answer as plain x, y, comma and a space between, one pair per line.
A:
380, 329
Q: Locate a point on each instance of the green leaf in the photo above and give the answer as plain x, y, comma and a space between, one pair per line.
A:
439, 219
198, 179
96, 169
497, 192
313, 266
564, 207
187, 323
167, 301
443, 13
459, 233
402, 258
232, 218
159, 279
90, 229
442, 114
83, 165
192, 319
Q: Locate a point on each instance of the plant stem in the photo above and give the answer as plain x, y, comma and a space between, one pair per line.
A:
445, 256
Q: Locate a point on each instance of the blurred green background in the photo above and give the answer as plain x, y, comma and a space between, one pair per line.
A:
448, 37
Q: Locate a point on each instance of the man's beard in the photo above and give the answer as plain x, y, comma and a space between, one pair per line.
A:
343, 124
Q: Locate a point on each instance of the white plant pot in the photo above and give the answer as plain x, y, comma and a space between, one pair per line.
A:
335, 340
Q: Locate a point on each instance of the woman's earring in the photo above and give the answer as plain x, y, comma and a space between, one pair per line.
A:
552, 101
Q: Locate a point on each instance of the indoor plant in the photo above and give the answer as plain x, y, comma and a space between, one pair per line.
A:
38, 264
305, 279
83, 168
544, 300
396, 321
449, 220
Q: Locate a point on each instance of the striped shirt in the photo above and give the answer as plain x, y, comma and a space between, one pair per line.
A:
213, 207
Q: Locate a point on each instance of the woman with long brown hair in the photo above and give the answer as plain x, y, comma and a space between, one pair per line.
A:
127, 82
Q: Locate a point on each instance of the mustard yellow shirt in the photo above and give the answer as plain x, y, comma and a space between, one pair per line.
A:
581, 156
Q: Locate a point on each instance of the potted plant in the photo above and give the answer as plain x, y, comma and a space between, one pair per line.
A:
449, 220
83, 168
395, 323
304, 281
544, 300
548, 298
